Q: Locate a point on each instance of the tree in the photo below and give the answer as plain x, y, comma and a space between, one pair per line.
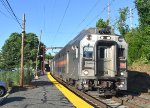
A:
143, 7
121, 23
11, 50
133, 41
1, 60
139, 38
102, 24
139, 46
49, 56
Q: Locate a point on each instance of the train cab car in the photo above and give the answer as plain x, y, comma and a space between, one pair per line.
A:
94, 59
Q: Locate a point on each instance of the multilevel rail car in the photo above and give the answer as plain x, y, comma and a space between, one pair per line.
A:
94, 60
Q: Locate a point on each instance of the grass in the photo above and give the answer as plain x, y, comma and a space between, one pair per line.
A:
12, 77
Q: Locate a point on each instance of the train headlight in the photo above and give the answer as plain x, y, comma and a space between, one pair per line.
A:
108, 37
120, 86
105, 37
122, 73
86, 72
122, 83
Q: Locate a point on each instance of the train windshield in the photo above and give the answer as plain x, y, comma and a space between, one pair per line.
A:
121, 52
88, 52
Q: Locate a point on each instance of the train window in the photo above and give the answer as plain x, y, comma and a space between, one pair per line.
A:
103, 52
121, 52
88, 52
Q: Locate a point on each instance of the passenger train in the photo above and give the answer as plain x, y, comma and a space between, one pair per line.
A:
96, 59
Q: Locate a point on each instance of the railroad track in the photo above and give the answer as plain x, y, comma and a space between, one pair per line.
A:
99, 102
134, 99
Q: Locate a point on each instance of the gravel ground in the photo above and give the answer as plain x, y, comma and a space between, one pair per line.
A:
42, 94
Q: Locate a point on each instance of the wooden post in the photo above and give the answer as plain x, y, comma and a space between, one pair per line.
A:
22, 53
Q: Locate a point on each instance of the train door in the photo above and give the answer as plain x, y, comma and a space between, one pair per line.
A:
106, 59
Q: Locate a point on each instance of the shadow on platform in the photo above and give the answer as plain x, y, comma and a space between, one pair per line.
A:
138, 82
12, 99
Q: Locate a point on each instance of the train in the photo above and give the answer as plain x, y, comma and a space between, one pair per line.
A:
96, 59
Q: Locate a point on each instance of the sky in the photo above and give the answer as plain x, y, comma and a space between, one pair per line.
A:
59, 20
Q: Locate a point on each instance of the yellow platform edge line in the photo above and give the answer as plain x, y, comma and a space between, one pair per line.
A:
74, 99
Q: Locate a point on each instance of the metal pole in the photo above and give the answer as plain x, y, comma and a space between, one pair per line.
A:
43, 67
131, 17
109, 11
36, 75
22, 53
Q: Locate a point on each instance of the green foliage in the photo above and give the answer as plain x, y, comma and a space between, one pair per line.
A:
121, 23
28, 75
132, 39
139, 46
49, 56
102, 24
1, 60
11, 51
143, 7
12, 77
139, 38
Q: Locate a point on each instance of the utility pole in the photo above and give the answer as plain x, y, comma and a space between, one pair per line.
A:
36, 75
108, 12
43, 67
22, 52
131, 17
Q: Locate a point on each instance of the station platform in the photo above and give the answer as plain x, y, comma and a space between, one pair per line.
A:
45, 92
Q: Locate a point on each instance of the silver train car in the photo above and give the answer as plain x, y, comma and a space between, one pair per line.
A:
94, 60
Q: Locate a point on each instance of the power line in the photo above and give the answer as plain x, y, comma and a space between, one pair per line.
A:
99, 14
62, 20
13, 13
10, 10
44, 17
89, 12
108, 17
4, 14
7, 8
114, 21
53, 9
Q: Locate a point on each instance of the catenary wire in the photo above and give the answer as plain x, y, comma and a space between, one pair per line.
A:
13, 13
99, 14
61, 21
89, 12
4, 14
7, 8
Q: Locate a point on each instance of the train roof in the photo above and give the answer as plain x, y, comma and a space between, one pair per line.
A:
101, 31
84, 32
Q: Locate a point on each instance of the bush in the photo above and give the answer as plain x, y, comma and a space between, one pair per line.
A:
13, 77
139, 46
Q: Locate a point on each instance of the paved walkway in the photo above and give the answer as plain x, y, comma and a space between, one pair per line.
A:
43, 95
